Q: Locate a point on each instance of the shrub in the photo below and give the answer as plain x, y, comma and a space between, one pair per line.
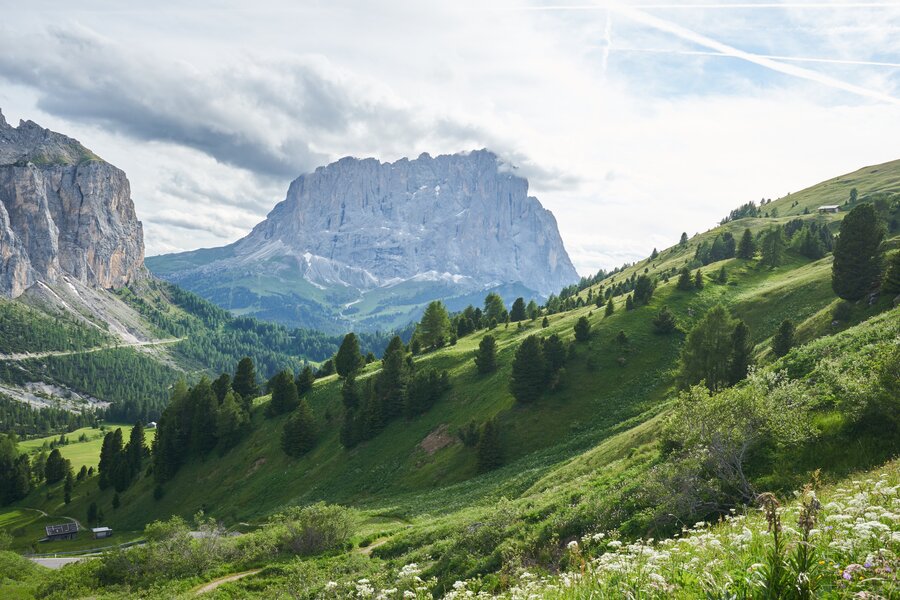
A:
315, 529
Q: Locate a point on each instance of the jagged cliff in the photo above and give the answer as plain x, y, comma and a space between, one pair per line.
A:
352, 234
63, 211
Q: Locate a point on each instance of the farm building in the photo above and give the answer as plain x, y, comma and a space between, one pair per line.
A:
63, 531
829, 208
101, 532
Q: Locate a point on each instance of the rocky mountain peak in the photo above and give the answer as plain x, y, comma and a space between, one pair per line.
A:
63, 211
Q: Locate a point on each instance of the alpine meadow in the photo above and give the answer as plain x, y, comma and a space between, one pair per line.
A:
424, 376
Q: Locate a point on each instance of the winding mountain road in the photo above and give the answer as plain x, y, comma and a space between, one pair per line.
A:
33, 355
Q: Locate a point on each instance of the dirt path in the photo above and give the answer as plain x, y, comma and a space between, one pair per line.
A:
33, 355
368, 549
208, 587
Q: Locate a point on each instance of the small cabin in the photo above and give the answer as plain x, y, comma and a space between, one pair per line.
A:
63, 531
151, 425
101, 532
829, 208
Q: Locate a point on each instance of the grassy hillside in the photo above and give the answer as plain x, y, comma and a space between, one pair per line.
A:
609, 450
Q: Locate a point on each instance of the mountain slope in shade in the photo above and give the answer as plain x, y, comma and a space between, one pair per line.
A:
366, 244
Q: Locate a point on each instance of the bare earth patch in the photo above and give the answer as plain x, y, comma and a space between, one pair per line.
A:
256, 465
437, 439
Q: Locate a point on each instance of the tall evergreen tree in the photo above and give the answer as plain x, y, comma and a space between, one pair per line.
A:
390, 383
221, 386
299, 434
533, 310
554, 358
15, 470
494, 309
284, 394
517, 312
486, 355
56, 467
305, 380
528, 370
231, 422
643, 289
582, 329
741, 353
245, 380
891, 284
109, 455
857, 254
664, 322
488, 450
707, 351
135, 448
684, 239
629, 302
685, 282
698, 279
783, 340
203, 422
348, 358
433, 331
67, 487
773, 246
610, 307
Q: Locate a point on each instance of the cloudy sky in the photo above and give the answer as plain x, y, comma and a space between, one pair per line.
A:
634, 121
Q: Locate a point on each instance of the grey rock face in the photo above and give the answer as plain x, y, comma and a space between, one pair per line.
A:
63, 211
462, 218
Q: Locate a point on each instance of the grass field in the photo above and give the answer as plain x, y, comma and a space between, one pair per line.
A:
86, 452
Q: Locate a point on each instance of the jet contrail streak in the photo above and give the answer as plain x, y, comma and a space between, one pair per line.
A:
723, 6
836, 61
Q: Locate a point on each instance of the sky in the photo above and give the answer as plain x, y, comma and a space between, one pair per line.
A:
633, 121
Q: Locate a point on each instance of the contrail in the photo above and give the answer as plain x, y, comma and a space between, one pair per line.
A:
836, 61
684, 33
722, 6
607, 38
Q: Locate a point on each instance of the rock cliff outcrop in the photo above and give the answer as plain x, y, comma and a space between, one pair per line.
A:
63, 211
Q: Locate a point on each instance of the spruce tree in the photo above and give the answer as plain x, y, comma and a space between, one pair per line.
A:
284, 394
390, 384
231, 422
643, 290
773, 246
245, 380
494, 309
486, 355
685, 283
891, 284
299, 434
664, 321
610, 307
554, 357
707, 351
67, 487
56, 467
517, 312
741, 353
857, 254
528, 369
654, 254
722, 276
203, 424
433, 331
348, 358
305, 380
684, 239
488, 450
545, 323
221, 386
582, 329
783, 340
629, 302
698, 279
135, 448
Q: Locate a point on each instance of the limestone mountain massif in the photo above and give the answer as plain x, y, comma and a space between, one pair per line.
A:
64, 212
366, 244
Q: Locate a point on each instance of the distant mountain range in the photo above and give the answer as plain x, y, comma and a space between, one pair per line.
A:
365, 245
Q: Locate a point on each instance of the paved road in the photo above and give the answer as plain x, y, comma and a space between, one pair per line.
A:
60, 562
33, 355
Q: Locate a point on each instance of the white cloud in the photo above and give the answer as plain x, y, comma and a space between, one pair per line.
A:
211, 111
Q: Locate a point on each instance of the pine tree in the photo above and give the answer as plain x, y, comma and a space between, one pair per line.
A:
582, 329
244, 383
685, 282
857, 254
654, 254
629, 302
348, 359
773, 246
56, 467
231, 422
528, 371
135, 448
722, 277
390, 383
203, 423
517, 312
684, 239
109, 453
622, 338
284, 394
486, 355
643, 290
783, 340
299, 434
610, 307
545, 323
533, 310
741, 353
664, 321
891, 284
221, 386
554, 358
67, 488
494, 309
305, 380
488, 450
707, 351
433, 331
698, 279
